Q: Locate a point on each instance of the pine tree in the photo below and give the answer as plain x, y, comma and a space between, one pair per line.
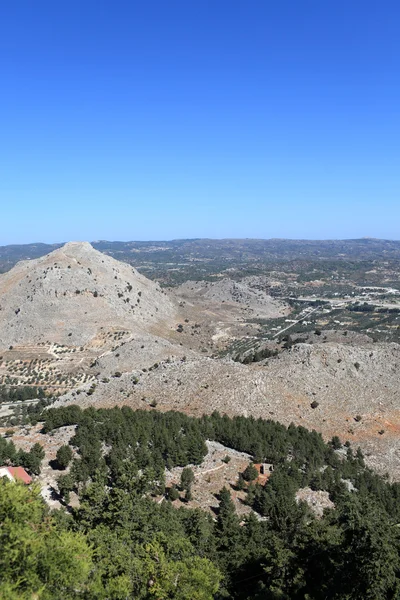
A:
250, 473
187, 478
227, 525
64, 456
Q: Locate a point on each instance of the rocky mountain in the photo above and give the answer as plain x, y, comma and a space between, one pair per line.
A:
74, 295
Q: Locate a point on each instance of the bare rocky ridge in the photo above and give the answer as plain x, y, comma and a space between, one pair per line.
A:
73, 294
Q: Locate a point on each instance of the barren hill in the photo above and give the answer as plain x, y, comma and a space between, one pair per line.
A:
243, 293
73, 295
338, 389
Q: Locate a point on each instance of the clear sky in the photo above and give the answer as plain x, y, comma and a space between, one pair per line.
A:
161, 119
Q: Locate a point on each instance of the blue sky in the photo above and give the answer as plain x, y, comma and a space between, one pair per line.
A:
157, 120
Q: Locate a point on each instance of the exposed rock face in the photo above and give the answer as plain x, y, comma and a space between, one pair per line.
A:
318, 500
71, 294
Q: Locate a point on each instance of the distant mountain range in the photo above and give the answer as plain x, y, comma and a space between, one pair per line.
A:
246, 250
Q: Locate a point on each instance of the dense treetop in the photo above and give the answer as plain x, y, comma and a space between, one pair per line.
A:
120, 543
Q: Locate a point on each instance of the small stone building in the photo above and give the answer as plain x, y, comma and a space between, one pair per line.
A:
265, 468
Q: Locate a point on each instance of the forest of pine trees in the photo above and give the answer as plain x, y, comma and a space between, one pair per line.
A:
121, 544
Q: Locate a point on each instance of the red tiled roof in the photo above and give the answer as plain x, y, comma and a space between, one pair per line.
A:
20, 473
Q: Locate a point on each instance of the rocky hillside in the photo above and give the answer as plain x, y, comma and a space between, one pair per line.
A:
84, 325
245, 294
338, 389
74, 295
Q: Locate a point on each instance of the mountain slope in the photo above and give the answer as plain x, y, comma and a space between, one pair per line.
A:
70, 295
338, 389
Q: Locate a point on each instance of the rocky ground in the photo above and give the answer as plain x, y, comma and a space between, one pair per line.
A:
220, 467
317, 500
25, 437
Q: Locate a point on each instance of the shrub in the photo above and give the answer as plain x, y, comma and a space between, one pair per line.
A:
250, 473
336, 443
172, 494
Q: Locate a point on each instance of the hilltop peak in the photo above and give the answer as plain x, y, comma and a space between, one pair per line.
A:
77, 247
74, 249
72, 294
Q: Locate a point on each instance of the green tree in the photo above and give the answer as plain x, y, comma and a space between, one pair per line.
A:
280, 569
173, 493
370, 550
227, 527
64, 456
36, 559
180, 578
187, 479
250, 473
33, 459
240, 483
65, 486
